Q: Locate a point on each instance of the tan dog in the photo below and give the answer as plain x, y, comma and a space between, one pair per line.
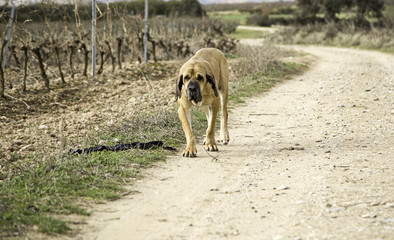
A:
200, 82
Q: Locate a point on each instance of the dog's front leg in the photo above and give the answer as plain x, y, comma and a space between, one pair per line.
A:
210, 142
185, 118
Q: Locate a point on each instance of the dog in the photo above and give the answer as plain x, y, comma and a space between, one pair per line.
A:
203, 82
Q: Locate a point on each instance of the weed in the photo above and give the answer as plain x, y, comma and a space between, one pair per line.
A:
231, 56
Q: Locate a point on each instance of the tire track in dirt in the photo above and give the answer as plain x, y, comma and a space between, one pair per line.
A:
311, 159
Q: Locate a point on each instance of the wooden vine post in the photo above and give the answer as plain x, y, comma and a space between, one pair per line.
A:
146, 33
94, 38
37, 52
2, 80
4, 62
25, 50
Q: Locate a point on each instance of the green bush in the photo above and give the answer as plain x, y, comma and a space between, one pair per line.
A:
259, 20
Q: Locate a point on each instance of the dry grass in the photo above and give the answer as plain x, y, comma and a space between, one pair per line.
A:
257, 69
344, 34
255, 59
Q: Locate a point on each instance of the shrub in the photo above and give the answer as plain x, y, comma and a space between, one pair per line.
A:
259, 20
388, 16
255, 59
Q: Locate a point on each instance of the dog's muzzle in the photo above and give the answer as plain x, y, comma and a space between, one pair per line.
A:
193, 92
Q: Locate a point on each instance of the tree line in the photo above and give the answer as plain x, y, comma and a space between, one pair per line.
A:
363, 9
362, 13
56, 12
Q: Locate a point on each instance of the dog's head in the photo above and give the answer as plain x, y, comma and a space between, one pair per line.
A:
194, 80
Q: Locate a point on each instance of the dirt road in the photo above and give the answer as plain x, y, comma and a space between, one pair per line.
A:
311, 159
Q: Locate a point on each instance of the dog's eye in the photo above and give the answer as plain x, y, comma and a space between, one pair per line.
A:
200, 78
187, 78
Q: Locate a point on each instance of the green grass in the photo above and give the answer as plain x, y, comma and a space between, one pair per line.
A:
285, 16
44, 188
241, 18
51, 187
233, 16
231, 56
245, 33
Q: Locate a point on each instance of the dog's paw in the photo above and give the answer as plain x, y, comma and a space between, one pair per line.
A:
224, 137
190, 152
211, 147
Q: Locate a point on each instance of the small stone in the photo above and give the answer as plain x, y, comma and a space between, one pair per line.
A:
335, 209
43, 127
282, 187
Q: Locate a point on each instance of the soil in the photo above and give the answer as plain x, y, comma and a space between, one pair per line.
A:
40, 122
310, 159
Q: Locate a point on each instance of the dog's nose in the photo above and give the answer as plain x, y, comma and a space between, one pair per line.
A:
192, 86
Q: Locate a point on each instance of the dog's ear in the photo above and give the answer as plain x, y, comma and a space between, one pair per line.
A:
179, 84
211, 80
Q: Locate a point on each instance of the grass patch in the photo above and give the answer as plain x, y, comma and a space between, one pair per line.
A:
260, 82
245, 33
230, 16
44, 188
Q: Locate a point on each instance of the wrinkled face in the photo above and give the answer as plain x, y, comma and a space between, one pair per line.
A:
194, 82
